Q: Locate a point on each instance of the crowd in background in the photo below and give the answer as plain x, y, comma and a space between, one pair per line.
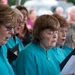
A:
44, 40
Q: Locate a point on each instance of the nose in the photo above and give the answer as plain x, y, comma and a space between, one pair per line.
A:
64, 34
11, 31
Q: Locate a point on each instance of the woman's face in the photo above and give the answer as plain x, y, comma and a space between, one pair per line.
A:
19, 24
24, 12
5, 32
62, 36
48, 38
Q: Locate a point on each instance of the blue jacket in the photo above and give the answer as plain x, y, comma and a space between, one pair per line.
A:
11, 43
5, 67
34, 60
58, 54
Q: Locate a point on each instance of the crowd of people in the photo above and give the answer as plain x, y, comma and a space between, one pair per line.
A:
43, 41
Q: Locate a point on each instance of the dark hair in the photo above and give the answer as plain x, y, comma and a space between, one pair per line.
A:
20, 7
62, 20
44, 22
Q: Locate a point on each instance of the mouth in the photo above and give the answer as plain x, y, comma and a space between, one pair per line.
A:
54, 41
18, 28
63, 39
6, 38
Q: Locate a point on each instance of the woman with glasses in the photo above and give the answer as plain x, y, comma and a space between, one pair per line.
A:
25, 34
14, 40
7, 24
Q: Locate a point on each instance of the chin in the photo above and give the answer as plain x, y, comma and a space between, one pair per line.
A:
53, 45
4, 43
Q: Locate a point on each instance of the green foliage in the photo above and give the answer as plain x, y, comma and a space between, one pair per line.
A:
73, 1
23, 1
13, 2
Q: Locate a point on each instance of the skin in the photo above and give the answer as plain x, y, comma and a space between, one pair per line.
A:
62, 36
24, 12
19, 25
72, 15
5, 34
48, 38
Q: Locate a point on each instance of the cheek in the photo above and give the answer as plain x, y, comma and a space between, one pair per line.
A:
47, 39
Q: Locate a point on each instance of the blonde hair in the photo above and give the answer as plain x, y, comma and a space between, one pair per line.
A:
17, 12
7, 15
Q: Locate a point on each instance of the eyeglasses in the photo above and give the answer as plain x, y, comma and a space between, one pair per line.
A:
9, 27
18, 21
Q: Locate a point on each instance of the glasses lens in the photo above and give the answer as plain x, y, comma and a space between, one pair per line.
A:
9, 27
20, 22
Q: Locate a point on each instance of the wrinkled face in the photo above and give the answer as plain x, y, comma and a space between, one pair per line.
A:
19, 24
5, 32
62, 36
48, 38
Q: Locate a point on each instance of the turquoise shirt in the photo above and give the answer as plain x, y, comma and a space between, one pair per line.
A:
58, 53
11, 43
66, 50
5, 68
34, 60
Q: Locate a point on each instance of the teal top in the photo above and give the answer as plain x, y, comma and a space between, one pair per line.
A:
34, 60
11, 43
66, 50
58, 53
5, 68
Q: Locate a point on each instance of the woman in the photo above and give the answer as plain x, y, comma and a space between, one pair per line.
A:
25, 34
70, 41
36, 58
14, 40
64, 25
7, 22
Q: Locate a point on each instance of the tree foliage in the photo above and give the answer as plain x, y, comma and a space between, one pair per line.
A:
13, 2
73, 1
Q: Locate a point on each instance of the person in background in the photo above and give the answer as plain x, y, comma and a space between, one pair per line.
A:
25, 34
70, 40
64, 25
7, 24
71, 14
4, 2
32, 15
14, 40
36, 58
59, 10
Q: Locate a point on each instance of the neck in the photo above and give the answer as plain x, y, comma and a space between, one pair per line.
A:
44, 46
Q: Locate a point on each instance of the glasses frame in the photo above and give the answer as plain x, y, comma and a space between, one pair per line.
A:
9, 27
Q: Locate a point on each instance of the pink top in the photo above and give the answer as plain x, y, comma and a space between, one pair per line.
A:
5, 2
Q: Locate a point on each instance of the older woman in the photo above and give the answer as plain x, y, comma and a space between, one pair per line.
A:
36, 58
7, 22
70, 41
64, 25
